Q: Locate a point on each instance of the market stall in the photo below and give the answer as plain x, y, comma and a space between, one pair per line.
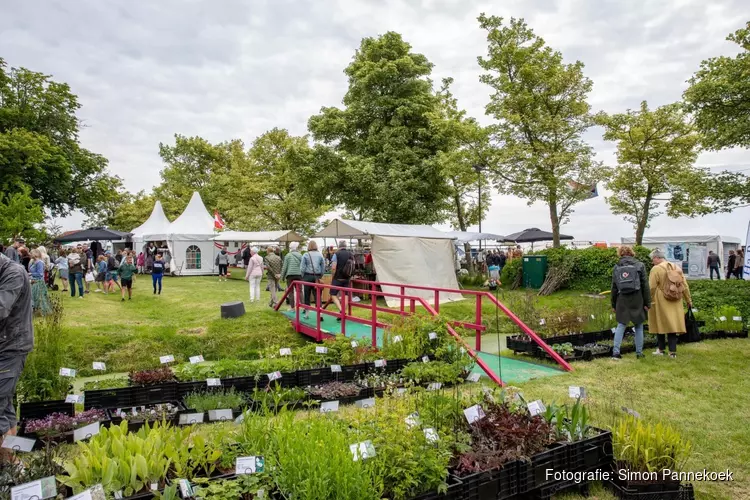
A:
691, 252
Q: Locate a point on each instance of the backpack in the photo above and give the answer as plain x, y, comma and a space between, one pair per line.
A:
347, 271
627, 279
674, 285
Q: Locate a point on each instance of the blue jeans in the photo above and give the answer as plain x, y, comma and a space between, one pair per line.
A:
156, 278
76, 278
620, 331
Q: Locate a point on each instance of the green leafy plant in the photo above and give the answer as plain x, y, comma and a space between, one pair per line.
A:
649, 447
243, 487
434, 371
215, 400
565, 349
106, 383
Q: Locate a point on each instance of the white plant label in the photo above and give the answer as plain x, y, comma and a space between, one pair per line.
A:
613, 330
397, 339
536, 408
365, 403
118, 494
285, 351
18, 443
196, 359
413, 420
736, 318
431, 435
355, 344
329, 406
99, 365
425, 359
39, 489
473, 377
321, 350
274, 376
74, 398
362, 451
191, 418
474, 413
213, 382
86, 431
67, 372
96, 491
462, 350
542, 322
593, 317
185, 488
433, 336
220, 415
154, 486
239, 419
576, 392
336, 368
380, 363
166, 359
249, 465
722, 318
401, 391
435, 386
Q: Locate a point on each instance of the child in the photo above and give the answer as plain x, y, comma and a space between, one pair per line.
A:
102, 277
112, 273
157, 272
127, 270
141, 263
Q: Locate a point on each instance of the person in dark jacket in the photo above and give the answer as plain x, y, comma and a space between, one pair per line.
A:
16, 338
731, 262
714, 265
631, 298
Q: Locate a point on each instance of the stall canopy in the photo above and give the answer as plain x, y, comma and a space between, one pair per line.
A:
259, 236
93, 234
156, 226
404, 254
465, 237
532, 235
691, 251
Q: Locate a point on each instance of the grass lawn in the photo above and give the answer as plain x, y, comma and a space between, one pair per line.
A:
703, 393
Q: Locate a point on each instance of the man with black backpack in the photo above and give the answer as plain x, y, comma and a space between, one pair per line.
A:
631, 298
342, 268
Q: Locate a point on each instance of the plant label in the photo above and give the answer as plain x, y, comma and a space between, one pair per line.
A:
433, 336
194, 360
365, 403
249, 465
536, 408
74, 398
220, 415
737, 318
614, 330
412, 420
362, 451
67, 372
94, 493
380, 363
186, 489
261, 493
239, 419
474, 413
397, 339
166, 359
542, 322
274, 376
154, 486
355, 344
335, 368
435, 386
99, 365
593, 317
425, 359
285, 351
18, 443
321, 350
576, 392
630, 412
695, 310
86, 431
401, 391
473, 377
329, 406
213, 382
191, 418
39, 489
580, 320
462, 350
431, 435
118, 495
722, 318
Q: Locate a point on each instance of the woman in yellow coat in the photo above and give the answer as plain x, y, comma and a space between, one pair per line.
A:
666, 318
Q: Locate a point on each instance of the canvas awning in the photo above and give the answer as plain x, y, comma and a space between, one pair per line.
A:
93, 234
354, 229
258, 236
466, 236
532, 235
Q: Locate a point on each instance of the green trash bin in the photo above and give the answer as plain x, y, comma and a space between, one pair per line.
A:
534, 270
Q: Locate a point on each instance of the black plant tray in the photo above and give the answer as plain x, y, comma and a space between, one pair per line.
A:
455, 491
133, 426
288, 379
493, 484
65, 437
41, 409
556, 488
655, 491
364, 393
130, 396
391, 366
735, 335
270, 406
533, 474
593, 452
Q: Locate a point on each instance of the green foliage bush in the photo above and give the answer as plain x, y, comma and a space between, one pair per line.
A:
510, 273
709, 295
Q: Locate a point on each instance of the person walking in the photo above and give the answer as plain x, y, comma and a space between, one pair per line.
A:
666, 317
141, 263
61, 263
739, 264
12, 251
39, 300
342, 268
222, 260
714, 265
731, 261
16, 341
75, 266
291, 272
313, 267
157, 272
246, 255
254, 274
273, 272
631, 298
102, 278
127, 272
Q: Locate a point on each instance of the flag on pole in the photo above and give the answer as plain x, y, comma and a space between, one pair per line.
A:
218, 223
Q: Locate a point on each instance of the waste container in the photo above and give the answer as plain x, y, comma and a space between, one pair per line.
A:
534, 270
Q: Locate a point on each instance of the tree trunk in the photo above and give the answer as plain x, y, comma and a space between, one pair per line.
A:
555, 220
643, 220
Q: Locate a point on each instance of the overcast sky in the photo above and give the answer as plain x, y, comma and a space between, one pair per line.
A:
145, 70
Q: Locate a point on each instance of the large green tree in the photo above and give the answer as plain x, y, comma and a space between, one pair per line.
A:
719, 96
123, 211
379, 166
20, 216
39, 145
540, 106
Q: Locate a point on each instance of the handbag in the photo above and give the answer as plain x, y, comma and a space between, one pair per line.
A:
693, 333
89, 277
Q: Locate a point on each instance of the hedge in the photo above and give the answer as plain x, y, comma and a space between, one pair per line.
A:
709, 295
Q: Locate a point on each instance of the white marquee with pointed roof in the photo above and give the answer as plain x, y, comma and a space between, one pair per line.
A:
156, 226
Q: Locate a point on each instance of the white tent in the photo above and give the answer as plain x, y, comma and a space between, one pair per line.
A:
404, 254
258, 236
189, 239
466, 236
691, 251
155, 226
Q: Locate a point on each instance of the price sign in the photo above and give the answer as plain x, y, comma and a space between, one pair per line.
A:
321, 350
213, 382
722, 318
336, 368
425, 359
166, 359
191, 418
431, 435
576, 392
737, 318
220, 415
413, 420
536, 408
18, 443
74, 398
355, 344
86, 431
435, 386
380, 363
329, 406
285, 351
473, 377
249, 465
67, 372
474, 413
99, 365
196, 359
362, 451
365, 403
274, 376
397, 339
433, 336
39, 489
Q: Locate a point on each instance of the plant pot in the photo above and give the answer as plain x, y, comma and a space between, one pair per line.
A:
135, 425
493, 484
41, 409
108, 398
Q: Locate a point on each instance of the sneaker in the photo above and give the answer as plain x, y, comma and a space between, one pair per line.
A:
639, 355
617, 356
130, 298
658, 353
80, 296
122, 299
271, 303
673, 355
